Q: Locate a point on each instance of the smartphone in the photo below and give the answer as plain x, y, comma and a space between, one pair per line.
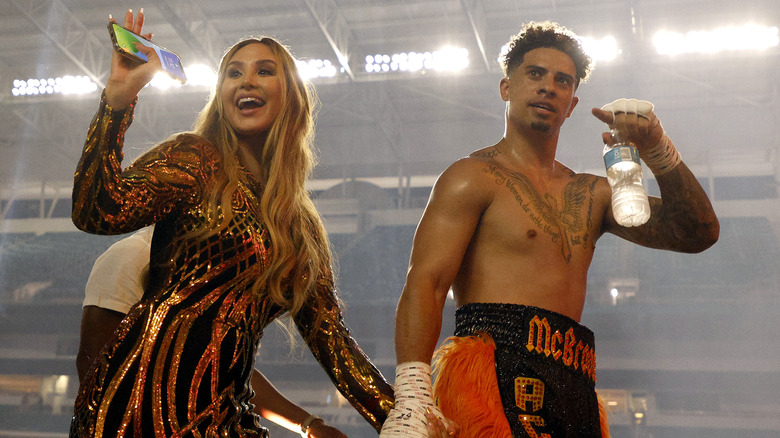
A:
123, 41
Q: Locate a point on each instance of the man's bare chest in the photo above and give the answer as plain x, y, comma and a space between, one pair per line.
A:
564, 216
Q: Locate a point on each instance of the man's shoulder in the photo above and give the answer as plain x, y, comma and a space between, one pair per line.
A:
471, 169
475, 163
598, 182
488, 153
469, 178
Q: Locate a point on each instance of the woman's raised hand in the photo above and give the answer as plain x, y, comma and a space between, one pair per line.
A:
127, 76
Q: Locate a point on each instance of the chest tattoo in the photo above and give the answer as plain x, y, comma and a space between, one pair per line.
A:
565, 219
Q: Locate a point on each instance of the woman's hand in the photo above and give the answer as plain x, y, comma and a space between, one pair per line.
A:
319, 429
128, 77
437, 428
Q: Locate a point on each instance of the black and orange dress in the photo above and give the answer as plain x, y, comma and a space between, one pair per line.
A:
181, 361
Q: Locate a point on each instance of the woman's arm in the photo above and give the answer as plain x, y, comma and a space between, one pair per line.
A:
321, 324
274, 406
108, 200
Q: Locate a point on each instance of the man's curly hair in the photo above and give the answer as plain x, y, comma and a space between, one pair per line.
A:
549, 35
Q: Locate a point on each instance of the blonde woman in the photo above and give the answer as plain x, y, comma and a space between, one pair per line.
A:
237, 243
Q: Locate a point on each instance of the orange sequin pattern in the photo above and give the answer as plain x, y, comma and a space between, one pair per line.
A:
181, 361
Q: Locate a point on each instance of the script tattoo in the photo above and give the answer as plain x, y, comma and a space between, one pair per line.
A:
560, 218
487, 154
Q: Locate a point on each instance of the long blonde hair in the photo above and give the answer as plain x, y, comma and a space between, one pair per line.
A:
300, 254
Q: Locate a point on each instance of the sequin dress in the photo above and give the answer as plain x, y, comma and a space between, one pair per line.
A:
181, 361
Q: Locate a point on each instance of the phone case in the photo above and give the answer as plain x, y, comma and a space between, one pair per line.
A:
124, 41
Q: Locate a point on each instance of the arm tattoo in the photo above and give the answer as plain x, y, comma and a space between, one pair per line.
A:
683, 220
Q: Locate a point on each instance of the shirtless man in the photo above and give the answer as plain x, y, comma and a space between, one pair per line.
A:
512, 231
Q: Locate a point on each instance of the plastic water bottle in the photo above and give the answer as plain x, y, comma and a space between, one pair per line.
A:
624, 173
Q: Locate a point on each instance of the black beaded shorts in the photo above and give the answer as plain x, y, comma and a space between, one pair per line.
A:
545, 366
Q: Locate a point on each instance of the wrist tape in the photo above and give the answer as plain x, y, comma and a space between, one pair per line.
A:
413, 394
663, 157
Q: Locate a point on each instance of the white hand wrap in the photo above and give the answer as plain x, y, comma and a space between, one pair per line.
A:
413, 394
661, 158
630, 106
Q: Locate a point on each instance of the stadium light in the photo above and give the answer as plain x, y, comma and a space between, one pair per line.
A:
602, 49
58, 85
451, 59
197, 76
599, 49
200, 75
316, 68
732, 38
447, 58
164, 81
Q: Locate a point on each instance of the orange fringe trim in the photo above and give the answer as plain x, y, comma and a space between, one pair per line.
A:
603, 413
466, 388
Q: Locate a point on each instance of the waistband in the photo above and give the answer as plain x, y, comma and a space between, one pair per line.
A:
531, 330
